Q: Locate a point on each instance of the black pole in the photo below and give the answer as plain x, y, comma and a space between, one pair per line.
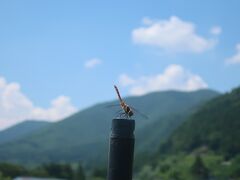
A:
121, 150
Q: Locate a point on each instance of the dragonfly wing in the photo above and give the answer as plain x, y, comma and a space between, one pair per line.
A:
142, 114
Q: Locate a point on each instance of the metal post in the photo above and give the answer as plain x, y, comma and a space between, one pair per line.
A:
121, 150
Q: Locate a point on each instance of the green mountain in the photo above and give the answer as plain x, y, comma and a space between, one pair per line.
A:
20, 130
84, 135
215, 126
205, 146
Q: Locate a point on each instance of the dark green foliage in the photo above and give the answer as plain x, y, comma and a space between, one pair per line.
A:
39, 171
63, 171
99, 173
4, 177
191, 167
79, 174
175, 175
212, 132
51, 170
215, 127
199, 170
84, 135
12, 170
235, 168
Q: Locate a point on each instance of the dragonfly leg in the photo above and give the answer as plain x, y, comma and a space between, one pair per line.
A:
118, 112
123, 114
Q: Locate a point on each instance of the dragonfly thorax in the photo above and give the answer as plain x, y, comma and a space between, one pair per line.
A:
130, 113
127, 110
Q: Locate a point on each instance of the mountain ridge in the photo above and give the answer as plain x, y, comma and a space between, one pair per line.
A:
85, 134
214, 126
21, 129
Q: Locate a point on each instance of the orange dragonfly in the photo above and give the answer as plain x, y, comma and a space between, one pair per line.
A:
128, 111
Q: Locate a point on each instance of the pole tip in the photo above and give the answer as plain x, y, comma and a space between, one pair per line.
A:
123, 128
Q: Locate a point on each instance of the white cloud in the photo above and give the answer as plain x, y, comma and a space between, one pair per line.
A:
60, 107
173, 35
16, 107
147, 21
174, 77
216, 30
125, 80
91, 63
235, 59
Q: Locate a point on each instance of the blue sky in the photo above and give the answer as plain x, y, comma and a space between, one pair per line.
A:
72, 52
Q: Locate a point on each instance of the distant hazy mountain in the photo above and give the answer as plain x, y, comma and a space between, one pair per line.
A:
20, 130
84, 135
215, 126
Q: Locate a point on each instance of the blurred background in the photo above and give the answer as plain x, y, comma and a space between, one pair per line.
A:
178, 62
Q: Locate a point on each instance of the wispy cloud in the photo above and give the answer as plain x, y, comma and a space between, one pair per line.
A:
174, 77
235, 59
216, 30
125, 80
16, 107
91, 63
173, 35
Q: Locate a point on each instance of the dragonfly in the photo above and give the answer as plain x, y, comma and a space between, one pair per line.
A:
128, 111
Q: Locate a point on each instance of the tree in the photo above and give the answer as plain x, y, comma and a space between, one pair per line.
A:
4, 178
99, 172
199, 170
59, 170
12, 170
175, 175
235, 168
79, 174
